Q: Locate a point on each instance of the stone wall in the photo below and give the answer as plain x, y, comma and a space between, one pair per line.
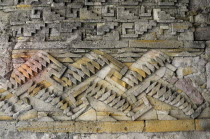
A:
99, 63
174, 135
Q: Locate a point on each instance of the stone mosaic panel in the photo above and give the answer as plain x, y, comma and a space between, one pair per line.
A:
61, 85
79, 22
104, 60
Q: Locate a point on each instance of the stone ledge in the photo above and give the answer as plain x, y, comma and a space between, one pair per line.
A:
202, 124
115, 127
169, 126
165, 44
83, 127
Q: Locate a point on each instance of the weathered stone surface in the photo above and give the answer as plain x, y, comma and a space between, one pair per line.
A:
202, 34
100, 44
5, 60
172, 135
195, 5
202, 124
107, 93
207, 50
166, 126
179, 114
158, 105
90, 115
84, 127
208, 74
205, 113
155, 44
182, 72
164, 115
28, 115
70, 79
202, 18
187, 87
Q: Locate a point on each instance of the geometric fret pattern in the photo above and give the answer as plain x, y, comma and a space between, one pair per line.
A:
76, 86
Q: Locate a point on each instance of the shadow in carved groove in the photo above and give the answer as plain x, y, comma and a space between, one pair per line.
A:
96, 79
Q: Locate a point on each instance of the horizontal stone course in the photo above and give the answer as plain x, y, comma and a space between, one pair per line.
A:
116, 127
202, 124
104, 66
84, 127
165, 44
169, 126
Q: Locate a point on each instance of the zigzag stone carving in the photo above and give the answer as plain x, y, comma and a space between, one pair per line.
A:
104, 65
75, 86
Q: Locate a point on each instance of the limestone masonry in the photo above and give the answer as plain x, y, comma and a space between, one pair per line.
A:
113, 66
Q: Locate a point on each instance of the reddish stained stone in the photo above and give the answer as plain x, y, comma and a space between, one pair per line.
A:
188, 88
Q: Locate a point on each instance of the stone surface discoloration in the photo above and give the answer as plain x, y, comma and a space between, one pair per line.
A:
73, 84
105, 61
202, 125
165, 126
